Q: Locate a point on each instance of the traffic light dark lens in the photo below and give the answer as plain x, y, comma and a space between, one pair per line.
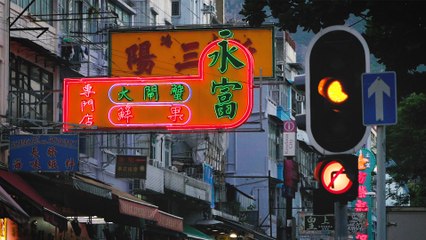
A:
332, 90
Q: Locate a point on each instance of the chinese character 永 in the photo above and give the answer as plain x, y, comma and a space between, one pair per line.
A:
224, 55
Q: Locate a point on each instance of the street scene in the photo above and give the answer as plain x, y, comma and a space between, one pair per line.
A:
212, 120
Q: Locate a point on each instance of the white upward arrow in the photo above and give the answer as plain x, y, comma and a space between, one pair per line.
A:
378, 88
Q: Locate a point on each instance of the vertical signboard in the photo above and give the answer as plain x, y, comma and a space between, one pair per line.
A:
47, 153
289, 145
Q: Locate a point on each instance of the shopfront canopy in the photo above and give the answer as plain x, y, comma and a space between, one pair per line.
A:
20, 186
10, 209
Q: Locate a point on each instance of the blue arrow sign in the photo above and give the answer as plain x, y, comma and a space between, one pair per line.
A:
379, 98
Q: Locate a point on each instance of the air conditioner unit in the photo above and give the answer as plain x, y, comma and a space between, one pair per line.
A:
173, 168
157, 164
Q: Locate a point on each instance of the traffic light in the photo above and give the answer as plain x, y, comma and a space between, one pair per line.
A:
337, 176
335, 61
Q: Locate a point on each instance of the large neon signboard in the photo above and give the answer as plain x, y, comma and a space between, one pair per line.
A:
220, 96
176, 52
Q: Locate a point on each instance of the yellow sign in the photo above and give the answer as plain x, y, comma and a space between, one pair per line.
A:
177, 52
219, 96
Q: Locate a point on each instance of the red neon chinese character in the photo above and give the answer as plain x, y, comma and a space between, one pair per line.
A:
69, 164
362, 176
52, 164
17, 164
87, 90
362, 191
87, 120
361, 206
35, 152
361, 236
51, 151
90, 103
176, 113
125, 113
35, 164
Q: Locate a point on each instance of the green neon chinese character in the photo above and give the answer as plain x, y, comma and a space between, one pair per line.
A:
151, 93
177, 91
225, 106
124, 94
225, 54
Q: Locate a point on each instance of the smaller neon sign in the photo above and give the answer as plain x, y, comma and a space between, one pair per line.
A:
220, 96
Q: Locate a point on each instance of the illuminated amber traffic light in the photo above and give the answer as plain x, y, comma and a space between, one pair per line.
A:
332, 90
336, 59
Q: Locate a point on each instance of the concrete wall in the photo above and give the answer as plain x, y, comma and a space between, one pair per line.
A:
406, 223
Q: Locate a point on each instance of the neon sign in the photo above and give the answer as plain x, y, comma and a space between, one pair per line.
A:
220, 96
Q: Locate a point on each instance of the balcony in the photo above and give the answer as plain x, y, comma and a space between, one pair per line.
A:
188, 186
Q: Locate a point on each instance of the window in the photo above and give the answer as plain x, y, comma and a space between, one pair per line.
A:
39, 7
175, 8
31, 89
275, 140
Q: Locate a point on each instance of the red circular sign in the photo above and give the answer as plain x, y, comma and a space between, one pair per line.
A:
334, 178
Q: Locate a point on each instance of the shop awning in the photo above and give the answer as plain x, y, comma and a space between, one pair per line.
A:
10, 209
195, 233
50, 213
92, 186
244, 227
132, 206
169, 221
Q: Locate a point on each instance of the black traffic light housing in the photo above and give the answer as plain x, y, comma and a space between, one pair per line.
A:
337, 181
336, 59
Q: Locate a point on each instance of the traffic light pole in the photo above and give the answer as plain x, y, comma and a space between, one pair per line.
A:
341, 220
381, 195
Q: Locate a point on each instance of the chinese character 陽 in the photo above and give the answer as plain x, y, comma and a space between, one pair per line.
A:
141, 57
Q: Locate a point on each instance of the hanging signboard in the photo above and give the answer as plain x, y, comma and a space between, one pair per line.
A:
220, 96
130, 167
46, 153
175, 52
